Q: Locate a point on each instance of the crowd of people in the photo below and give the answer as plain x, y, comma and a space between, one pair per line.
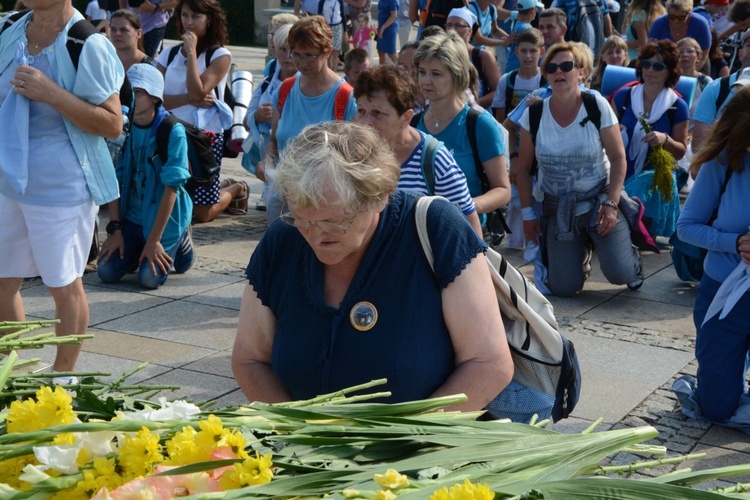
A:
552, 121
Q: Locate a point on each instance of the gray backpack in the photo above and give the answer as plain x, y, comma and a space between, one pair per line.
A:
585, 23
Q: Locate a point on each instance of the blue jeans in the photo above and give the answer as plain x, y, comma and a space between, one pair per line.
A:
116, 268
721, 348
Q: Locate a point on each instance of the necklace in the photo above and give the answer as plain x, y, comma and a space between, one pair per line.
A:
46, 38
439, 121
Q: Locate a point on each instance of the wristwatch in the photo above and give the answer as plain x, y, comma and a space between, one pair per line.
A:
610, 203
114, 225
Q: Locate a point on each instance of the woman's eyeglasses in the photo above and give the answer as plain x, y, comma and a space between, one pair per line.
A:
655, 65
456, 26
678, 17
565, 67
325, 226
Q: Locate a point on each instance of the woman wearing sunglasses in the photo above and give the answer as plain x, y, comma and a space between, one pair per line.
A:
679, 22
580, 176
667, 116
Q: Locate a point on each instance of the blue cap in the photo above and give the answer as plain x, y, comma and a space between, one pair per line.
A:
148, 78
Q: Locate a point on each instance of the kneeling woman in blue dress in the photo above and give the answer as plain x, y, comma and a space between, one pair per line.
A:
340, 292
149, 227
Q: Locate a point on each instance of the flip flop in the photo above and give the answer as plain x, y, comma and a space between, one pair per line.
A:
238, 206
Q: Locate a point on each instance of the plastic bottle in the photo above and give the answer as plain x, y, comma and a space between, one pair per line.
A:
115, 145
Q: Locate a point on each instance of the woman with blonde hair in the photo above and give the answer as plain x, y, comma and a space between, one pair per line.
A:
581, 170
320, 296
615, 53
444, 74
639, 17
690, 54
719, 196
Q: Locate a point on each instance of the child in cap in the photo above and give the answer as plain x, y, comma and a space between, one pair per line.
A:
526, 14
149, 228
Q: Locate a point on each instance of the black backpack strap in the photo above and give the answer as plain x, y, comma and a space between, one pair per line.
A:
429, 151
723, 91
11, 20
626, 102
471, 131
415, 119
162, 136
510, 84
173, 53
77, 35
535, 118
593, 113
476, 60
543, 81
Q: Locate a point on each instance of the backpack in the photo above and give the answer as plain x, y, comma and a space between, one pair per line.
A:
547, 376
339, 104
267, 80
510, 84
585, 23
201, 159
496, 225
226, 151
724, 89
427, 161
437, 11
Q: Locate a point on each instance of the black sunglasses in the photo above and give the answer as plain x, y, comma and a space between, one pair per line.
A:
655, 65
565, 67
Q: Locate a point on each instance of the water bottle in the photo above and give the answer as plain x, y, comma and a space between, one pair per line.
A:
115, 145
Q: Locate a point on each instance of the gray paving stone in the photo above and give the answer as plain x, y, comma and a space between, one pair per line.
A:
666, 290
720, 457
234, 398
229, 297
618, 375
182, 322
138, 348
645, 314
579, 305
207, 387
219, 363
724, 437
105, 304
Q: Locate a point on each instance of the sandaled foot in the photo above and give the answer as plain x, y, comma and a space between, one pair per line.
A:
226, 182
238, 206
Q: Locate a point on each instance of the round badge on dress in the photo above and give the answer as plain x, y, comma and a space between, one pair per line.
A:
363, 316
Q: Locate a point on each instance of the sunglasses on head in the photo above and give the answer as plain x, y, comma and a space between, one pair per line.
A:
655, 65
565, 67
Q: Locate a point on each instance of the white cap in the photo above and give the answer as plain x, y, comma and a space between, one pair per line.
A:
465, 14
743, 78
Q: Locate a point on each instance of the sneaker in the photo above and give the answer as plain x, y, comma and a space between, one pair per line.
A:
185, 256
261, 205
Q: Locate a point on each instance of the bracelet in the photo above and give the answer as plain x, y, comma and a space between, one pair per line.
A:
528, 213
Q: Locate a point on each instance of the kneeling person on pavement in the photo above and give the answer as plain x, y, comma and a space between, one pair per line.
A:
149, 227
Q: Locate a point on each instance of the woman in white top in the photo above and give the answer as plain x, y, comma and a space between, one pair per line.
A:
195, 74
581, 174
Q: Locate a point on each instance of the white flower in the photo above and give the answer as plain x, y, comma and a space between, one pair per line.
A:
176, 410
31, 474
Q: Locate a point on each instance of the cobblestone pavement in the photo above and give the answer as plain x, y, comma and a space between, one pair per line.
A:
631, 345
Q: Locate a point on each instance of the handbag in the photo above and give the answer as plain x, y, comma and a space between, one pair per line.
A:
547, 378
688, 258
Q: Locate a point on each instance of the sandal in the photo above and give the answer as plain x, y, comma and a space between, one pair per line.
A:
238, 206
226, 182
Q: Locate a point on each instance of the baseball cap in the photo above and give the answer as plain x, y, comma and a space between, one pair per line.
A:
146, 77
528, 4
743, 78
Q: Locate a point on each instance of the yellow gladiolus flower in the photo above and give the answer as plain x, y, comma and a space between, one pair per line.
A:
23, 416
212, 431
391, 480
182, 448
140, 454
384, 495
250, 472
55, 407
236, 441
464, 491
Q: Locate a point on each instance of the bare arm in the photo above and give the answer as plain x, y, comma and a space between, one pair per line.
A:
700, 134
492, 75
499, 192
104, 120
272, 149
607, 25
251, 355
391, 19
612, 142
413, 11
200, 84
641, 36
153, 251
482, 358
473, 219
524, 182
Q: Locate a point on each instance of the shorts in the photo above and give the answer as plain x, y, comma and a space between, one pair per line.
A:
51, 242
338, 35
210, 195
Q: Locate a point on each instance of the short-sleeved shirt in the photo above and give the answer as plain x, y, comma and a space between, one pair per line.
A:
300, 111
512, 61
450, 181
705, 111
572, 158
456, 138
698, 29
521, 89
629, 120
94, 12
315, 347
484, 18
175, 82
639, 16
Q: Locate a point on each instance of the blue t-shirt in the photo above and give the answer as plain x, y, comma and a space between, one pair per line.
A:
732, 220
705, 110
456, 139
385, 7
629, 120
300, 111
512, 61
698, 29
485, 19
315, 347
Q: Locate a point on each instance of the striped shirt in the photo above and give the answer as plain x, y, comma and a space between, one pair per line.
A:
450, 181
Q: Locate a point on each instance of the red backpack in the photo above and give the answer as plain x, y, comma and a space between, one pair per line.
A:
339, 104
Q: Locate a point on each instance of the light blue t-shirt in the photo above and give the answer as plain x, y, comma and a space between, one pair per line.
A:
456, 139
705, 111
139, 138
513, 62
300, 111
55, 177
484, 18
